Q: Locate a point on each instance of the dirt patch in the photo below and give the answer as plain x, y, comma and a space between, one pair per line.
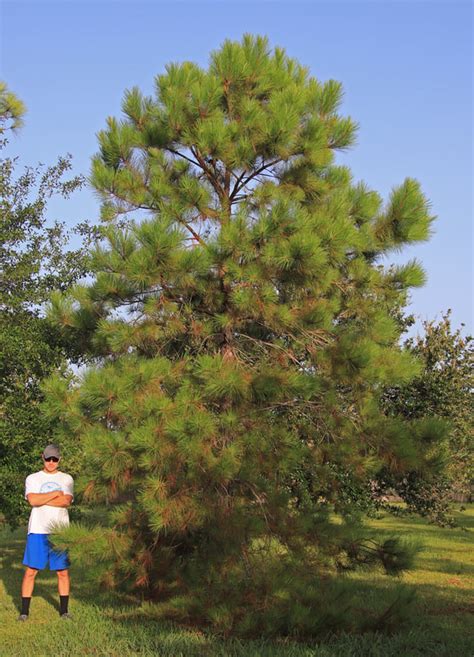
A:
456, 581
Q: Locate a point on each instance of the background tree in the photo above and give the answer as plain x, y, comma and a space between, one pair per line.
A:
444, 390
12, 110
33, 262
246, 290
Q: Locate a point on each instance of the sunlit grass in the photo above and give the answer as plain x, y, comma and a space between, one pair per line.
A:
114, 625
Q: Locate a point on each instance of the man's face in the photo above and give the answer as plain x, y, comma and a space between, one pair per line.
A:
50, 464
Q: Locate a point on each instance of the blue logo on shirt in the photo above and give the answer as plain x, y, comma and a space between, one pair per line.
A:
49, 486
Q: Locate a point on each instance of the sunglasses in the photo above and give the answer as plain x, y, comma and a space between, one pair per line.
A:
54, 459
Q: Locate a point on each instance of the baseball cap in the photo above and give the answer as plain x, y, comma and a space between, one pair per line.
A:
51, 450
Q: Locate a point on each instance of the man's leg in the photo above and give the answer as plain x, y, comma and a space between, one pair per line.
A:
59, 561
28, 583
27, 587
63, 582
63, 588
35, 558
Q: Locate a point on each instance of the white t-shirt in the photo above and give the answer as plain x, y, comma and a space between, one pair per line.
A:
42, 516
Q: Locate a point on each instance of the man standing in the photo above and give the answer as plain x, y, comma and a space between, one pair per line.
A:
49, 492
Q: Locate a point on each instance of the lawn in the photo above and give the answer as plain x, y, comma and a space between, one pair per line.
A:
106, 626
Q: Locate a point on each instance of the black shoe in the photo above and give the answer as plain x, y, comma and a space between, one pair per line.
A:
23, 617
66, 616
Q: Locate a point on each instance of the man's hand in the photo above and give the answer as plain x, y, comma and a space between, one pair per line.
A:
38, 499
64, 500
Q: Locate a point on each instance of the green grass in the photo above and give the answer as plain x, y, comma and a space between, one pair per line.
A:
114, 626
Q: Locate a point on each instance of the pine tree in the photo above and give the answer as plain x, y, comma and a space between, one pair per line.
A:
240, 325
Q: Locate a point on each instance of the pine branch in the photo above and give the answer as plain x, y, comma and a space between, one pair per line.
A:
212, 179
323, 338
260, 342
227, 182
195, 235
236, 199
256, 173
209, 213
171, 150
239, 180
292, 403
262, 503
133, 206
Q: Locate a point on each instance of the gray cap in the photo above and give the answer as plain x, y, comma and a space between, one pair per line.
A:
51, 450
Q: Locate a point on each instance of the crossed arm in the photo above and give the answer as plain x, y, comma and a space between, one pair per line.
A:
55, 498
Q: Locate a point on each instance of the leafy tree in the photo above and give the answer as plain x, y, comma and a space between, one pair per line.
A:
33, 262
12, 110
441, 394
240, 327
443, 390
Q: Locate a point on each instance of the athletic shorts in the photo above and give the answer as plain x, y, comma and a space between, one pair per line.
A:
39, 551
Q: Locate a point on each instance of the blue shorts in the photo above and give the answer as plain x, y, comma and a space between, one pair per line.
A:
38, 551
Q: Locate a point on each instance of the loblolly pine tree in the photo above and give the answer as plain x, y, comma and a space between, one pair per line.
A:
240, 325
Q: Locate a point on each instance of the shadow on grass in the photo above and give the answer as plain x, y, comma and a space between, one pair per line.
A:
441, 610
12, 571
449, 566
391, 523
435, 615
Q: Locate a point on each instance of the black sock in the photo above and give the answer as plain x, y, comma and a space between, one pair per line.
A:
25, 606
63, 600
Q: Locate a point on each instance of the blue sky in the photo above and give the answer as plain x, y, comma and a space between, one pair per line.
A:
406, 68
